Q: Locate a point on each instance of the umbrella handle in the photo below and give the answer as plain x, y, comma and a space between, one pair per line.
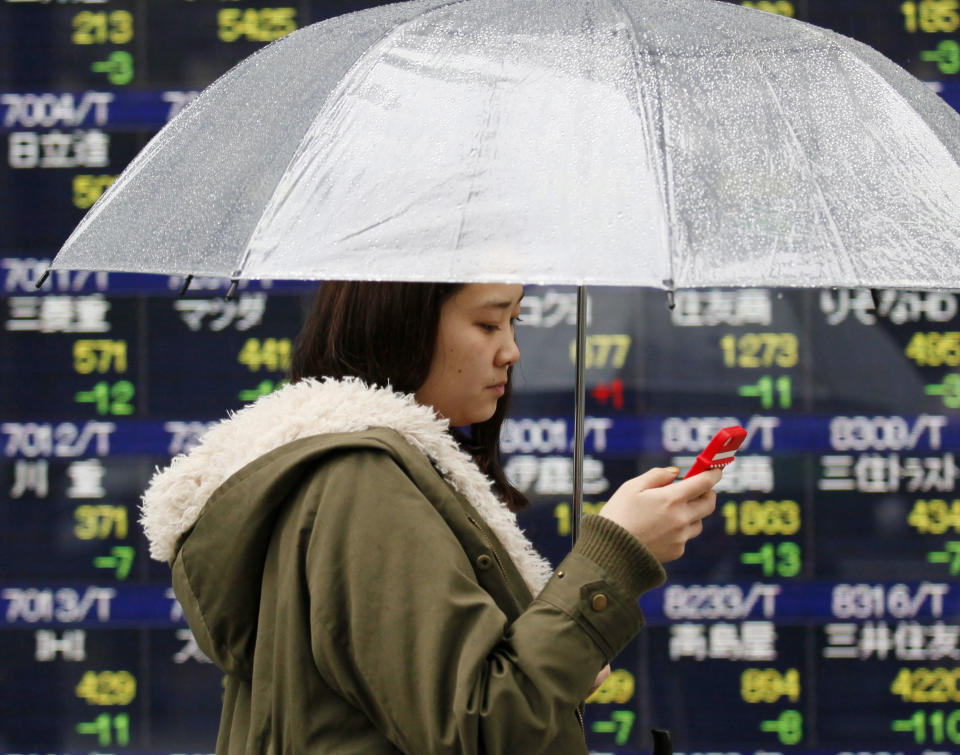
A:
662, 743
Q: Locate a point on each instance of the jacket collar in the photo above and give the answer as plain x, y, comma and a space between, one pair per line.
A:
176, 495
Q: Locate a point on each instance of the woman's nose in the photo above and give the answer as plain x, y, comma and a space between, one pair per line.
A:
509, 353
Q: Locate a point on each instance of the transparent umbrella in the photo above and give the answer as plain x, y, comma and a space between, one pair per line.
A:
637, 142
663, 143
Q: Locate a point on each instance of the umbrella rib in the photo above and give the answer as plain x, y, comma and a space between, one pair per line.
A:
655, 116
482, 138
854, 53
821, 199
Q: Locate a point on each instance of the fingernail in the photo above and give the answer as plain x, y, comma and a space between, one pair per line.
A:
674, 470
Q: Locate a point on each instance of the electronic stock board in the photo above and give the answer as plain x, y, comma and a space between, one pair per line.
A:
817, 613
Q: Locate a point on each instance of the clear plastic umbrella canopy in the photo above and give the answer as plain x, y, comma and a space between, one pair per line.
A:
664, 143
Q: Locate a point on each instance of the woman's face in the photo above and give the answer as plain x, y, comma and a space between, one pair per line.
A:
475, 346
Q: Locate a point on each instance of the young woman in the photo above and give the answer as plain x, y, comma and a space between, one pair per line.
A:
357, 571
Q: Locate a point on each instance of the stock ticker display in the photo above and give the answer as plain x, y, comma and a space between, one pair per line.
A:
818, 612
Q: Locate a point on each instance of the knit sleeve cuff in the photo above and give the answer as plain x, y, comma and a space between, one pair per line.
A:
624, 558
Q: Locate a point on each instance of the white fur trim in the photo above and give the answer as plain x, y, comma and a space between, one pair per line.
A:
176, 495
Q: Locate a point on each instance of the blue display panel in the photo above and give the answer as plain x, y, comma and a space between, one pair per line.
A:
817, 613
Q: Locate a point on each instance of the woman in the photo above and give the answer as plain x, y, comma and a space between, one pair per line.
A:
360, 577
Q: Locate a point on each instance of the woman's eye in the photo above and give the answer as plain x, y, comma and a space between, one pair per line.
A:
494, 327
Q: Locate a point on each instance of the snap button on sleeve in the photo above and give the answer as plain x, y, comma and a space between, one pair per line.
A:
484, 561
598, 602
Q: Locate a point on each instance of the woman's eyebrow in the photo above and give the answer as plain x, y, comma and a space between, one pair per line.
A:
497, 304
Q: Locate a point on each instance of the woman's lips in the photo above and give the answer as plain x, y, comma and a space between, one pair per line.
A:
498, 388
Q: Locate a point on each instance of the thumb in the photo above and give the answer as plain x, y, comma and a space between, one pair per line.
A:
657, 477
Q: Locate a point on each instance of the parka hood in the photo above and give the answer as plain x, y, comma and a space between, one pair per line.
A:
176, 495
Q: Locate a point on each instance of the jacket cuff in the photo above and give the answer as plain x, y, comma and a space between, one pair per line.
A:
625, 559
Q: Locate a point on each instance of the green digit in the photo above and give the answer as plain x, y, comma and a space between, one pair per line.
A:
789, 560
624, 720
121, 394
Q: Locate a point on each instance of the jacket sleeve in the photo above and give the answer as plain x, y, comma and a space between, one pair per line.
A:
402, 629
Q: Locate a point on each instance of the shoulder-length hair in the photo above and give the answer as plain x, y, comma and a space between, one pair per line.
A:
385, 334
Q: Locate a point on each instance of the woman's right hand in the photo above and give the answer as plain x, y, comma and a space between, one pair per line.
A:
663, 516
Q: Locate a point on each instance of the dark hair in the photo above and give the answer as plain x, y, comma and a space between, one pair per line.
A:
385, 334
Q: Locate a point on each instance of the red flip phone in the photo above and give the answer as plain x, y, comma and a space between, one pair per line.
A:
719, 451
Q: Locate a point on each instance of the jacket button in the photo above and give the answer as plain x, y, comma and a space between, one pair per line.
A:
484, 561
599, 602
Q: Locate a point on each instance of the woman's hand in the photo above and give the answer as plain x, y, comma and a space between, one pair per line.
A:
663, 516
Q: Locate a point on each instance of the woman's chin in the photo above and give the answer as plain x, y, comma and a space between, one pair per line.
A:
473, 418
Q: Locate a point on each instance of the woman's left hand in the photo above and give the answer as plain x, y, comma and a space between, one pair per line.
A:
601, 678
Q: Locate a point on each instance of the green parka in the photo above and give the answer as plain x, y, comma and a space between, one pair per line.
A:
364, 593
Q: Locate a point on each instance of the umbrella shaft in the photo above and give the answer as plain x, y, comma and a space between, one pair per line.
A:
579, 413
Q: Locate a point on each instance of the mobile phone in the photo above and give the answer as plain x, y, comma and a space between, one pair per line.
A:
719, 451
